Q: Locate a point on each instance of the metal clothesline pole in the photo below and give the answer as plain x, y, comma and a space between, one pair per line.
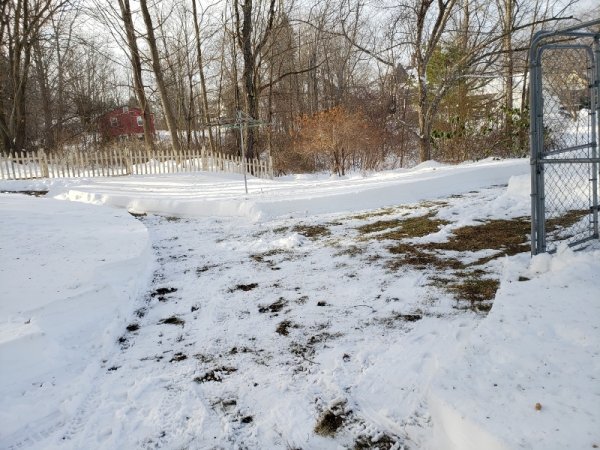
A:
239, 119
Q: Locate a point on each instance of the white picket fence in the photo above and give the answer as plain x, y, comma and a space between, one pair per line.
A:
123, 161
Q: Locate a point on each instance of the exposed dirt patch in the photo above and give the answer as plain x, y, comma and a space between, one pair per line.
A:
132, 327
331, 420
161, 293
274, 307
215, 375
173, 320
178, 357
244, 287
312, 231
284, 327
137, 215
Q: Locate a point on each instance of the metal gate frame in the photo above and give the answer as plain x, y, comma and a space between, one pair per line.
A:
540, 156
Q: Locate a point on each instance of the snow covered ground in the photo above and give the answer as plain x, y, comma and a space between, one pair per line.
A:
312, 313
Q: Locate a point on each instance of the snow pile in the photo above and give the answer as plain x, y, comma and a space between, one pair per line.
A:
68, 272
210, 195
528, 377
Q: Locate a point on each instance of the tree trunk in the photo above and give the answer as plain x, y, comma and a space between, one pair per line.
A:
250, 53
158, 74
137, 73
509, 76
206, 116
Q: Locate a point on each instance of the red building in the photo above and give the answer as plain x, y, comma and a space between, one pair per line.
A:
124, 121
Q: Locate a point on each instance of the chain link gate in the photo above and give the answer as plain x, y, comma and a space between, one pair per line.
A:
565, 123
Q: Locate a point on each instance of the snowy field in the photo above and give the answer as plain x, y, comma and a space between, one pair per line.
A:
177, 312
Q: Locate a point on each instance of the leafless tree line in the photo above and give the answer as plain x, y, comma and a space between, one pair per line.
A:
329, 85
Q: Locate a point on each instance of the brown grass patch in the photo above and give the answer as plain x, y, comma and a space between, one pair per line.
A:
312, 231
403, 228
510, 236
566, 220
375, 213
413, 255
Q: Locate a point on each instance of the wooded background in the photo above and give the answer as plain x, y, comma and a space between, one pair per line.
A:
336, 85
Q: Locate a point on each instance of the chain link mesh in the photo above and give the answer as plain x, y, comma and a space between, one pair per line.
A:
567, 78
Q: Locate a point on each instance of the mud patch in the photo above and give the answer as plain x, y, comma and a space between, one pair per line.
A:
173, 320
132, 327
331, 420
244, 287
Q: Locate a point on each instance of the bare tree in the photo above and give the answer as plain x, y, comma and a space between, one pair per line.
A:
251, 40
20, 28
158, 74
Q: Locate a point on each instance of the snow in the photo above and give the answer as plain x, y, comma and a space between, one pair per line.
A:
266, 310
68, 274
539, 345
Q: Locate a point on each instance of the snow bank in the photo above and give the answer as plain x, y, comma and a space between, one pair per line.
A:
528, 376
68, 273
210, 195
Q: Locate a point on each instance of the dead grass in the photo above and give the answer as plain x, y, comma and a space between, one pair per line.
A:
510, 236
312, 231
375, 213
413, 255
566, 220
352, 251
476, 292
399, 229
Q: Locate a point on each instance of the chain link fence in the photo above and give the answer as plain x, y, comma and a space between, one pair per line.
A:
565, 113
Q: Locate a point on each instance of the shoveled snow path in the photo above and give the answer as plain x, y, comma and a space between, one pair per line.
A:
257, 388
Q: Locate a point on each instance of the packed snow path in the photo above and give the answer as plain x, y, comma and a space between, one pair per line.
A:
246, 349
